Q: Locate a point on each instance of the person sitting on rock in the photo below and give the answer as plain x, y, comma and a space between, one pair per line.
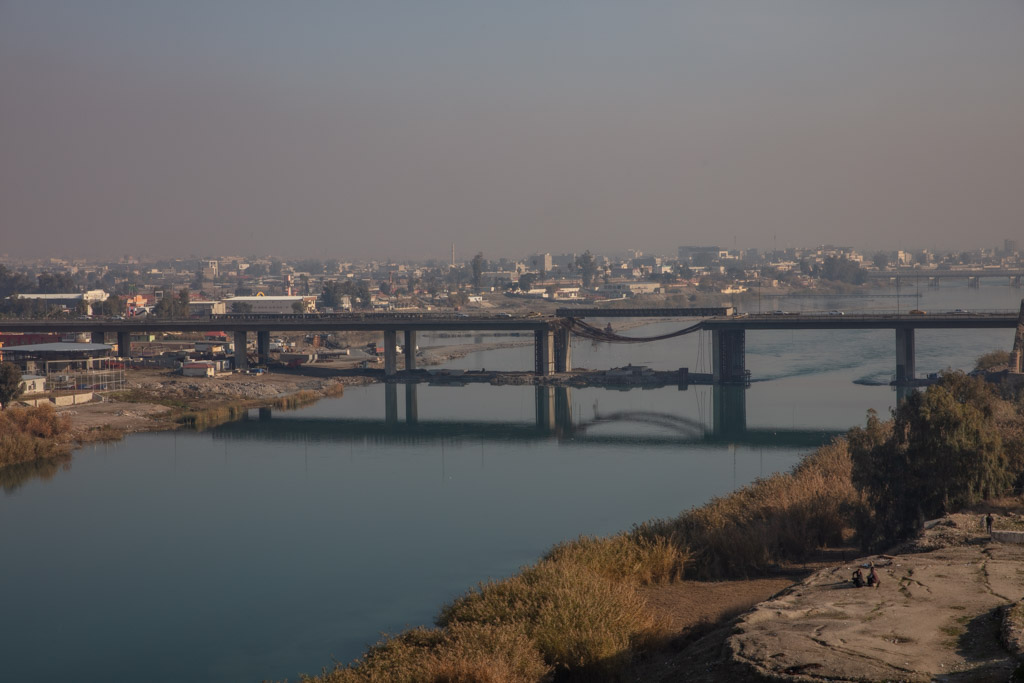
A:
858, 578
873, 579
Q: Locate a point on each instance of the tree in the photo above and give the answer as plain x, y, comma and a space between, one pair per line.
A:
587, 267
478, 269
941, 452
881, 260
527, 280
331, 294
10, 384
241, 307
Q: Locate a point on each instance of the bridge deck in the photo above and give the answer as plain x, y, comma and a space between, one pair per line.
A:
659, 312
863, 321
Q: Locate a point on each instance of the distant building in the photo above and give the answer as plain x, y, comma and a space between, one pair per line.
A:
207, 308
272, 305
540, 262
70, 300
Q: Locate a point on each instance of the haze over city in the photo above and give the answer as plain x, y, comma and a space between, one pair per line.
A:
381, 130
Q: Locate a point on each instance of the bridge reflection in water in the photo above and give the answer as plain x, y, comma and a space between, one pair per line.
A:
553, 420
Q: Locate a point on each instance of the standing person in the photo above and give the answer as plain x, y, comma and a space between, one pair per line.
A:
988, 523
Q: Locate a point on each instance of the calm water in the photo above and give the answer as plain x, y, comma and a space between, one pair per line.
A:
272, 546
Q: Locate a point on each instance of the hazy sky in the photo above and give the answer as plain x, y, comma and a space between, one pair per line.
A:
390, 129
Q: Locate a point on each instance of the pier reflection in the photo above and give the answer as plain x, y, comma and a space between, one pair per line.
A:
553, 419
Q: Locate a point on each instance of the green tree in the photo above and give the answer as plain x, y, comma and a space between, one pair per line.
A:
241, 307
587, 267
331, 294
527, 281
10, 384
941, 452
881, 260
478, 269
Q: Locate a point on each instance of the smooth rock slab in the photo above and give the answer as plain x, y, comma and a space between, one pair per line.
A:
936, 613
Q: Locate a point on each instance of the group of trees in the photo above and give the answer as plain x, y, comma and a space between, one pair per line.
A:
944, 449
173, 306
333, 291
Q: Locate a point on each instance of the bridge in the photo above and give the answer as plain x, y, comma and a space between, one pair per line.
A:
729, 334
553, 420
1013, 276
552, 343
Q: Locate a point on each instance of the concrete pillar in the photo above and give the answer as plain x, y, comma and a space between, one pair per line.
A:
412, 408
124, 344
241, 352
729, 356
543, 352
263, 346
391, 403
545, 408
563, 350
974, 282
904, 354
98, 338
933, 282
410, 349
390, 354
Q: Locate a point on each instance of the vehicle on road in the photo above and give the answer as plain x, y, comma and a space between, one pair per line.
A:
918, 311
836, 313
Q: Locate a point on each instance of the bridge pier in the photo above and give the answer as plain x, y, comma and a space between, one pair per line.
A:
124, 344
974, 282
543, 352
904, 354
409, 349
241, 350
933, 282
729, 356
1015, 281
390, 352
563, 350
98, 338
263, 346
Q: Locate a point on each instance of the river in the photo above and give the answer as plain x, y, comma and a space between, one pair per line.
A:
281, 543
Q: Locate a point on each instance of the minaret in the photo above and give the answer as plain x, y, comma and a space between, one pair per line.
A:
453, 254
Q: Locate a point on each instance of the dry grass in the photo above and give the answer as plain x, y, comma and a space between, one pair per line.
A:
28, 434
579, 620
463, 653
782, 518
624, 557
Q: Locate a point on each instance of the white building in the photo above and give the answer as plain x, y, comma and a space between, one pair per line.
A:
272, 305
